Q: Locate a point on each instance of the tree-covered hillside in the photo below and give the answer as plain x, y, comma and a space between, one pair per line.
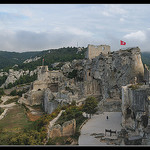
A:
146, 58
54, 55
11, 58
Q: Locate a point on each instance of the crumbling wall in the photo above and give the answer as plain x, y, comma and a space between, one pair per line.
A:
94, 51
39, 85
42, 73
68, 128
32, 98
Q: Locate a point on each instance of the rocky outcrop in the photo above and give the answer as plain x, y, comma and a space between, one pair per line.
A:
3, 74
49, 104
32, 59
14, 75
32, 98
110, 72
135, 110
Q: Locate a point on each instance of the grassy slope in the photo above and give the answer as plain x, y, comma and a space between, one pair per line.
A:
15, 120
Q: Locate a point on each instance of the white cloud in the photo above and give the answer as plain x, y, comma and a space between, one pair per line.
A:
80, 32
56, 25
113, 9
139, 36
105, 13
122, 19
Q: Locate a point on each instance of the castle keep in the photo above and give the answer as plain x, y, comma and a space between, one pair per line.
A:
94, 51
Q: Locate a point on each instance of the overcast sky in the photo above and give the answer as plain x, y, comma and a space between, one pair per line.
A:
30, 27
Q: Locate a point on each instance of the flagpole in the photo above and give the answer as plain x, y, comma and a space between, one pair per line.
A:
43, 62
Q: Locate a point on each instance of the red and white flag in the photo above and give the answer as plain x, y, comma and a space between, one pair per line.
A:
122, 42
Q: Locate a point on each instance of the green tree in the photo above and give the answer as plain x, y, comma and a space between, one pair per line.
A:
13, 93
90, 106
2, 91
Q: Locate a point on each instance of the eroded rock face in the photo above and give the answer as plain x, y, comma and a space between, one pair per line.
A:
113, 71
135, 109
49, 104
13, 76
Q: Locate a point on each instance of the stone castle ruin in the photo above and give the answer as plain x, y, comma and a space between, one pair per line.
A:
103, 74
94, 51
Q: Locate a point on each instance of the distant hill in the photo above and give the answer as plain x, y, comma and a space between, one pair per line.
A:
9, 59
146, 58
55, 55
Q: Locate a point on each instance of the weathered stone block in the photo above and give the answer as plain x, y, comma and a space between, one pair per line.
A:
68, 128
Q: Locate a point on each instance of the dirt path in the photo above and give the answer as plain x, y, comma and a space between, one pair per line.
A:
7, 106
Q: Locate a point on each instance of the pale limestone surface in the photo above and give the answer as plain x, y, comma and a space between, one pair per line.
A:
98, 124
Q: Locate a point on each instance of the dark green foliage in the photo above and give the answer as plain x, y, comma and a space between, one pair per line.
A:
22, 80
146, 58
9, 59
10, 85
19, 93
31, 137
25, 79
90, 105
72, 112
56, 55
3, 79
72, 74
1, 110
2, 92
13, 93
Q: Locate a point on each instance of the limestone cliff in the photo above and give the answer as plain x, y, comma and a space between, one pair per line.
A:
135, 112
109, 72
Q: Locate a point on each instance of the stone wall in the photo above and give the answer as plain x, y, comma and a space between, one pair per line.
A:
42, 73
39, 85
68, 128
94, 50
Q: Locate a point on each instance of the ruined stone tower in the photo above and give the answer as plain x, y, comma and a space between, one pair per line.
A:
42, 73
96, 50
